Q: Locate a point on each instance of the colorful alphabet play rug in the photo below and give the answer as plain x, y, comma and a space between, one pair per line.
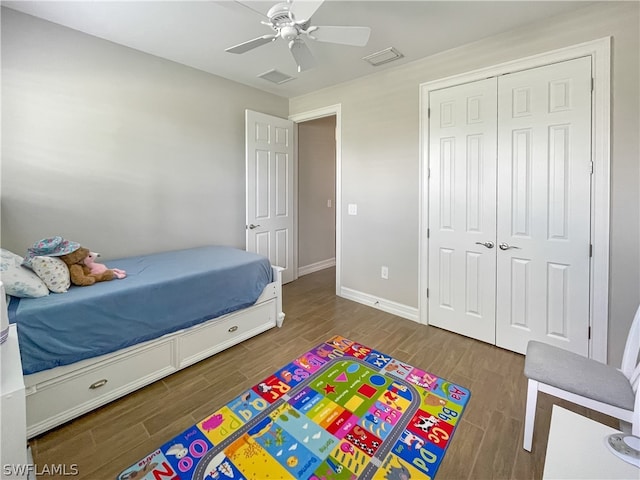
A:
340, 411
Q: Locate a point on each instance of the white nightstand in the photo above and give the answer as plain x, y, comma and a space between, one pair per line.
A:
13, 413
576, 450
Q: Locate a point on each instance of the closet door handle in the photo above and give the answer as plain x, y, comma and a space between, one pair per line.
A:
506, 246
488, 244
252, 226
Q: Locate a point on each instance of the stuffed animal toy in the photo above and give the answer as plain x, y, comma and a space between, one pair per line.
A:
99, 268
84, 271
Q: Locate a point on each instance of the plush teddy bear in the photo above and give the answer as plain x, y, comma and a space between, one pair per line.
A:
84, 271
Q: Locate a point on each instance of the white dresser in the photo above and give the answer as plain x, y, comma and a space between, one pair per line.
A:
14, 456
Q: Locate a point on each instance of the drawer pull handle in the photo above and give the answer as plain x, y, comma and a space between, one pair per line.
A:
233, 329
98, 384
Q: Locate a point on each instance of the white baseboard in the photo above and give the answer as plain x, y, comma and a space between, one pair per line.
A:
410, 313
314, 267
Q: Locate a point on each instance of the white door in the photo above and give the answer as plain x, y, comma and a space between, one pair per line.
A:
462, 209
269, 186
544, 198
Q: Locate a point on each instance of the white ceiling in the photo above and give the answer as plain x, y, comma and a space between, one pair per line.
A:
196, 33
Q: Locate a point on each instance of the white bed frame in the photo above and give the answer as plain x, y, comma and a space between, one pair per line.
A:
60, 394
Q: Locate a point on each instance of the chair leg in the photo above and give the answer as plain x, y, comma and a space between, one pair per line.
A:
625, 427
530, 415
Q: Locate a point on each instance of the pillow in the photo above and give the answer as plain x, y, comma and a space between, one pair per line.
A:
53, 272
19, 281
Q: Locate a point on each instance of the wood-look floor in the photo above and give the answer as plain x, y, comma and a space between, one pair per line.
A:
487, 443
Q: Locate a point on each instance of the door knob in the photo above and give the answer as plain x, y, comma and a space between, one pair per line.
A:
252, 226
488, 244
506, 246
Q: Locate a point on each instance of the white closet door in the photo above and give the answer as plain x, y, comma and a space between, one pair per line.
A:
544, 185
462, 209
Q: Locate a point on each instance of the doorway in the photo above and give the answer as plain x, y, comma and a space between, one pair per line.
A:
330, 115
316, 194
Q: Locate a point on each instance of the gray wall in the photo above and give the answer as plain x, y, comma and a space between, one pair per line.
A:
380, 157
128, 153
122, 151
316, 185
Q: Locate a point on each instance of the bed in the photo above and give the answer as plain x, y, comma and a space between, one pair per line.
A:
90, 345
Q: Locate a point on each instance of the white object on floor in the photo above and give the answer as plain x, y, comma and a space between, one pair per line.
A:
626, 447
13, 420
576, 449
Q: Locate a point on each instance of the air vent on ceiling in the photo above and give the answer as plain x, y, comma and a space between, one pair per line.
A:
275, 76
383, 56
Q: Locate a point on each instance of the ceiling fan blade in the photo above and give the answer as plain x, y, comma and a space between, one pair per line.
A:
251, 44
356, 36
303, 9
302, 55
251, 9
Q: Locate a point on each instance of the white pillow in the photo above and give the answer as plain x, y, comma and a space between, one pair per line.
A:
53, 272
19, 281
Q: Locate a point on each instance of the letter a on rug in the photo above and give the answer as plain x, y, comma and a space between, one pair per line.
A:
339, 411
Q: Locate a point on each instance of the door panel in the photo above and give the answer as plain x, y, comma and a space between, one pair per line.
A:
269, 170
544, 198
462, 209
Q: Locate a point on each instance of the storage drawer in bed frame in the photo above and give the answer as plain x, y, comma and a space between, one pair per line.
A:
196, 344
82, 391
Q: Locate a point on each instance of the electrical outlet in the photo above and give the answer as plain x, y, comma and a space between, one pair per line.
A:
352, 209
384, 272
329, 203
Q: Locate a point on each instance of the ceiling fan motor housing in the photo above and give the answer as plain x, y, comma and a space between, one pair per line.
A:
280, 14
283, 21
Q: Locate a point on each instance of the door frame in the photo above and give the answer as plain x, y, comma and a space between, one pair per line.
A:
331, 110
600, 52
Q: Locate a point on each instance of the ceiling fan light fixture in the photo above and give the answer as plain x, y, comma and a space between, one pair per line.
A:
275, 76
383, 56
289, 32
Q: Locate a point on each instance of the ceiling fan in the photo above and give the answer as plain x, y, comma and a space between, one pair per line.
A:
291, 22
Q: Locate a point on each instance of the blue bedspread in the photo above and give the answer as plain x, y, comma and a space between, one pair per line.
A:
162, 293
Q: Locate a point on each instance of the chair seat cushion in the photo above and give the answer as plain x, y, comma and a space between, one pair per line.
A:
577, 374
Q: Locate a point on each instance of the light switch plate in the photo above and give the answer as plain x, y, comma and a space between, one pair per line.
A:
353, 209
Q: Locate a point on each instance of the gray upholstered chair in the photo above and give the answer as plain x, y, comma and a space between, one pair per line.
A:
585, 382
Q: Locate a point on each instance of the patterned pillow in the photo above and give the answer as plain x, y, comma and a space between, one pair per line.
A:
19, 281
53, 272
